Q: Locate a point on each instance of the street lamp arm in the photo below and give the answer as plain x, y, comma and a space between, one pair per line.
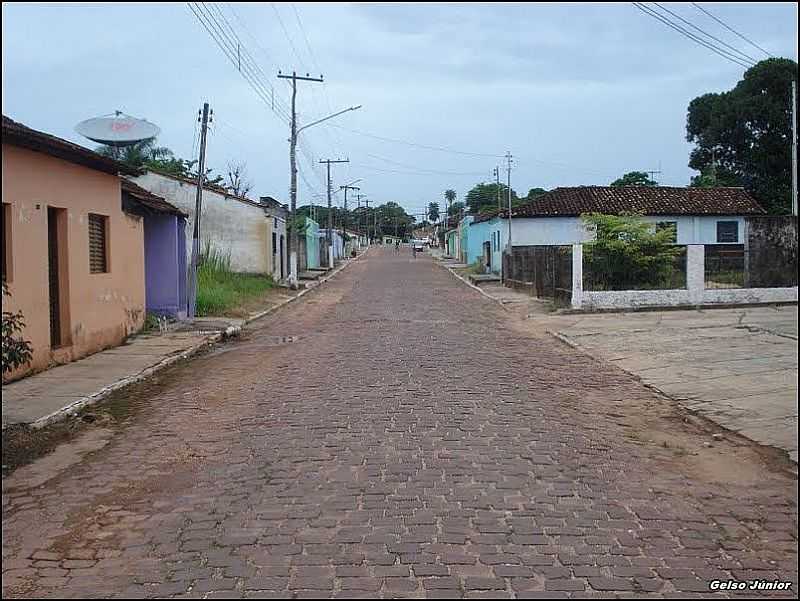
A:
352, 108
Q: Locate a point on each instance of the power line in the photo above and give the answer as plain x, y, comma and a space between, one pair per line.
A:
225, 43
744, 56
426, 147
752, 43
723, 53
420, 169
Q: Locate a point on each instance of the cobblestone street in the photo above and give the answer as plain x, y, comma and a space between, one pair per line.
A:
395, 434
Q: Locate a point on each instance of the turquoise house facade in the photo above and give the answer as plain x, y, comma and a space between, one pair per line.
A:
312, 244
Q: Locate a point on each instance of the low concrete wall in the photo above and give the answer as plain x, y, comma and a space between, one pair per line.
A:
695, 293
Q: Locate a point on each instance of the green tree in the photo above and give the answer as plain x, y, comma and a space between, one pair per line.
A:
535, 192
138, 155
483, 197
16, 350
433, 211
455, 209
628, 253
634, 178
746, 133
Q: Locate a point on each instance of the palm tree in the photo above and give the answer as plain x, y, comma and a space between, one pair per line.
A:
450, 197
139, 154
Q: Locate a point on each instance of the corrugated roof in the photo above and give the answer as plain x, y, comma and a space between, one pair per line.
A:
148, 199
21, 135
645, 200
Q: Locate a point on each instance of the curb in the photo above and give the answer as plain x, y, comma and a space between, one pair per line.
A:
698, 420
75, 406
303, 292
473, 286
230, 332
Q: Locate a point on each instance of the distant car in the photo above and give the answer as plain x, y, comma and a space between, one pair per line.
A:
418, 244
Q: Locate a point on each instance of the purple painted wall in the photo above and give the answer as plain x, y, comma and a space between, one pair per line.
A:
165, 264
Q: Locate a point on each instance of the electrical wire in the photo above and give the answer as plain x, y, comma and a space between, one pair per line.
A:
749, 41
723, 53
744, 56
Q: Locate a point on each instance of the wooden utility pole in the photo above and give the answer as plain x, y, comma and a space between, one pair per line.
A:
329, 236
294, 241
204, 117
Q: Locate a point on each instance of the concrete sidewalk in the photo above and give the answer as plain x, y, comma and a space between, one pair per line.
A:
736, 367
54, 394
51, 395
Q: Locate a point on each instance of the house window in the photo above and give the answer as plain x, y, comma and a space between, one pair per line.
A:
98, 243
274, 243
7, 258
669, 225
727, 231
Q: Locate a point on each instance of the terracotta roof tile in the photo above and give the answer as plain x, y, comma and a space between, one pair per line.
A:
645, 200
21, 135
148, 199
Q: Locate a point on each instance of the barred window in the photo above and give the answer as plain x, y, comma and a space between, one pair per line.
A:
727, 231
98, 243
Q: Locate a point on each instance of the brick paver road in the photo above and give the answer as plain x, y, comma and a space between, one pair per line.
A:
390, 435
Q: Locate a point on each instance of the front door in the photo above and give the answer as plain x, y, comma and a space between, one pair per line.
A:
280, 258
55, 268
487, 255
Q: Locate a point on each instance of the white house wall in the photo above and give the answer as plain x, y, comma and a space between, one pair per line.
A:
557, 231
234, 227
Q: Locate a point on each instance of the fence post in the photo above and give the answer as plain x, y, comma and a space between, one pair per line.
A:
695, 273
577, 276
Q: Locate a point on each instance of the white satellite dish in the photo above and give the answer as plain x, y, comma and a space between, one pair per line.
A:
118, 129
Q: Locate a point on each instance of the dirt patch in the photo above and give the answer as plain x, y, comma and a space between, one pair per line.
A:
23, 445
52, 464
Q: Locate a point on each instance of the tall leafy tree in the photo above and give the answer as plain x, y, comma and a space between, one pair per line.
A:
745, 134
535, 193
634, 178
455, 209
483, 197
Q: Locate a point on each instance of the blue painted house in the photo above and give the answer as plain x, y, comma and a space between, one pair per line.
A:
164, 250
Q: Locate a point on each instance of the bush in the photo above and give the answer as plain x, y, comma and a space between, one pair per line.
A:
628, 253
16, 350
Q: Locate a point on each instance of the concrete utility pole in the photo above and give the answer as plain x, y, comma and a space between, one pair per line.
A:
497, 182
204, 117
294, 241
346, 188
794, 147
358, 199
329, 237
508, 169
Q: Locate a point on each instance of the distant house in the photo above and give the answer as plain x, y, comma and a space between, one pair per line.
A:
165, 256
73, 253
279, 214
707, 216
238, 227
391, 240
308, 255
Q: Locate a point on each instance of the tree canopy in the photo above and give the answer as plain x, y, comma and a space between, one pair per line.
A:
743, 137
483, 197
634, 178
433, 211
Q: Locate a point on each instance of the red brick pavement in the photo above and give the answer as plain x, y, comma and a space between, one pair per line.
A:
352, 460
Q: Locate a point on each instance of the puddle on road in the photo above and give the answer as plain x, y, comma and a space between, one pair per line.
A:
277, 340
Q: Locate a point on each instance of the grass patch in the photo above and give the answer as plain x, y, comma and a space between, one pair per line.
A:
225, 292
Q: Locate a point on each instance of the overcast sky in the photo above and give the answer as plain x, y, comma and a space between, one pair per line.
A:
578, 93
